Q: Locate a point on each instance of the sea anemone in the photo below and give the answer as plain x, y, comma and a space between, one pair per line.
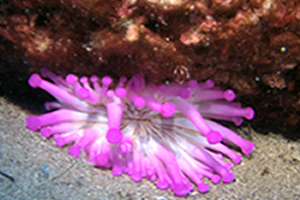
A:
164, 133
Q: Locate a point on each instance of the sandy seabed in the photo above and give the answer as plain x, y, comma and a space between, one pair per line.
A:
38, 169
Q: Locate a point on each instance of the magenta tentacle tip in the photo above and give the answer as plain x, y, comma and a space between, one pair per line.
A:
94, 78
125, 147
215, 179
209, 83
248, 148
46, 132
237, 159
164, 133
214, 137
203, 187
35, 80
121, 92
227, 177
162, 184
110, 93
249, 113
136, 177
192, 84
184, 93
84, 79
83, 93
181, 190
114, 136
106, 80
117, 171
229, 95
58, 140
139, 102
74, 151
33, 122
168, 109
71, 78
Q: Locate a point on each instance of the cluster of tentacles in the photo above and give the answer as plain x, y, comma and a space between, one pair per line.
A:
164, 133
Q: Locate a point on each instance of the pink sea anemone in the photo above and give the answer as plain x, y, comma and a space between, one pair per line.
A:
164, 133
